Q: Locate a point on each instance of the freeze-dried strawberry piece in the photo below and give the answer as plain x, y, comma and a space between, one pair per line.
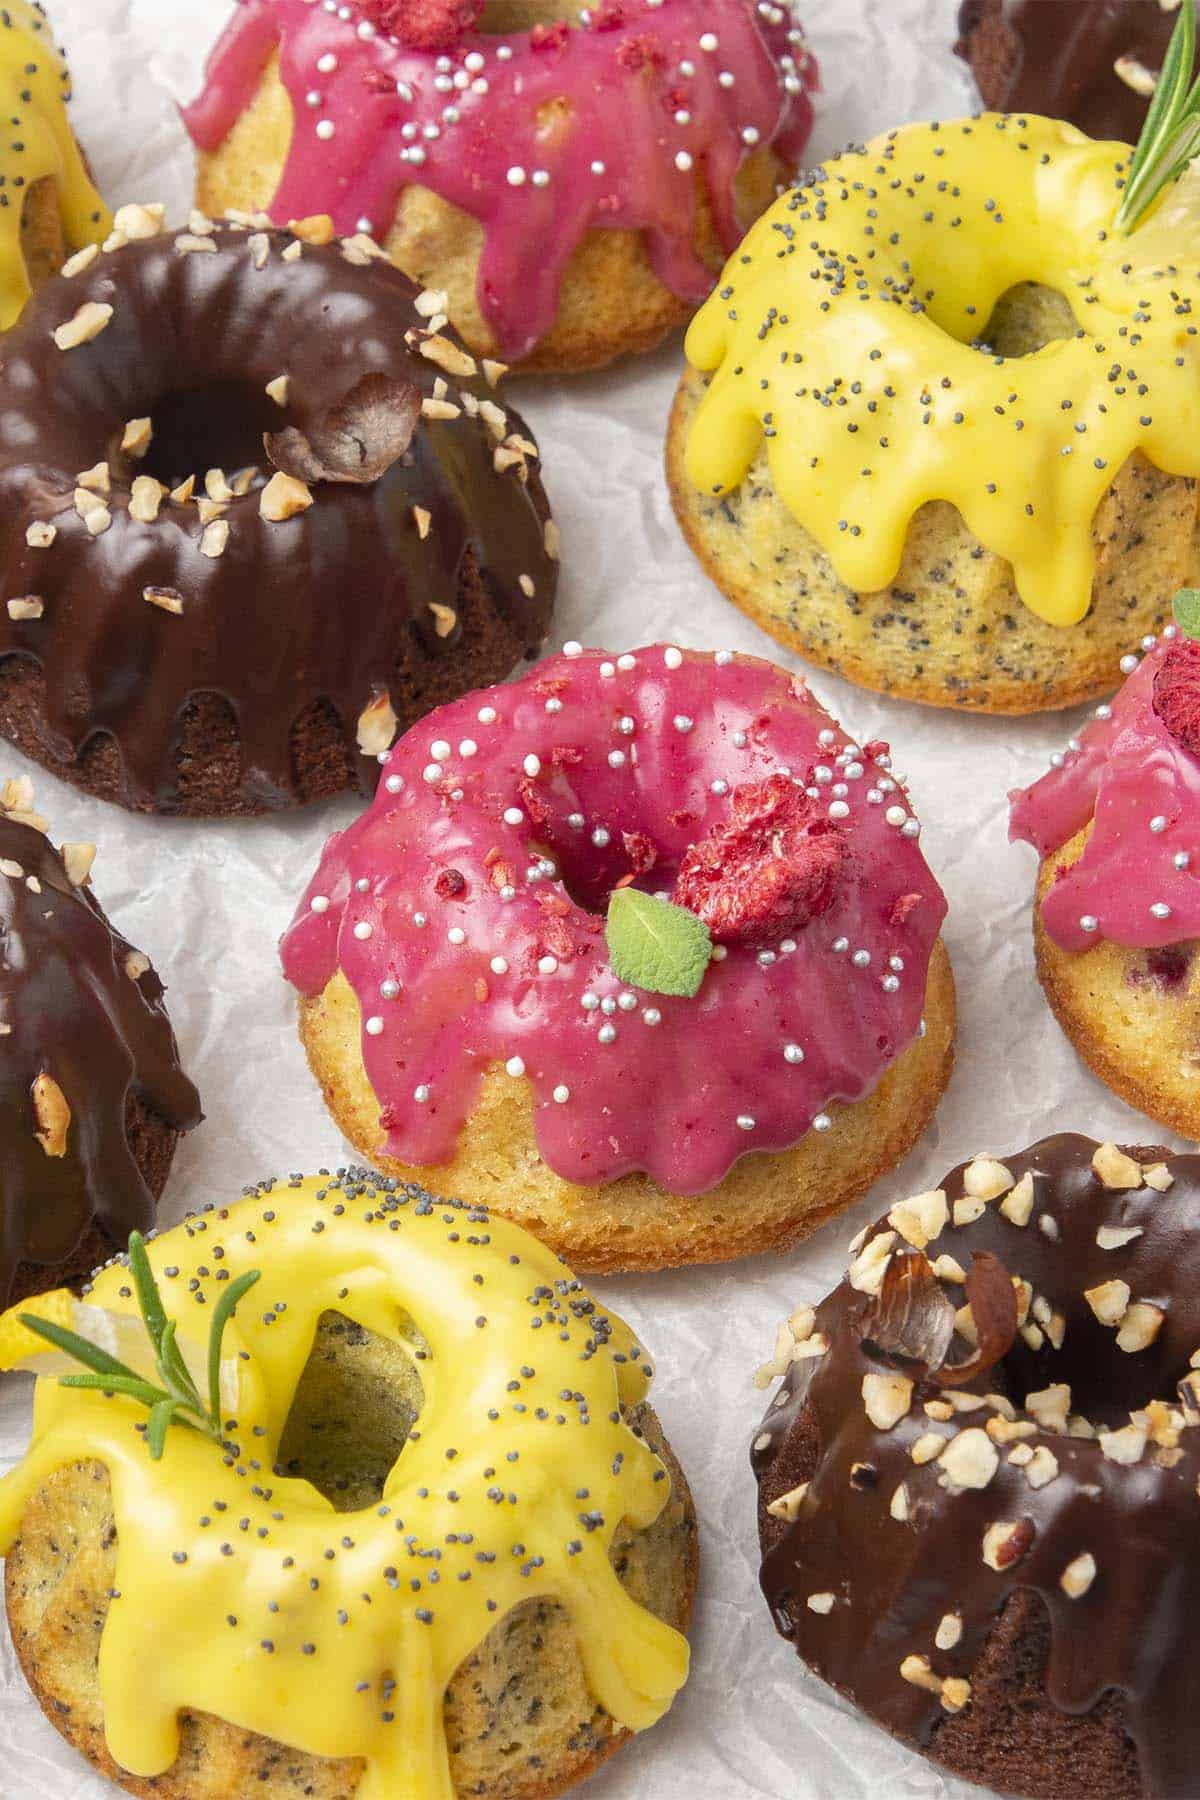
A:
768, 870
641, 852
425, 24
1177, 693
549, 37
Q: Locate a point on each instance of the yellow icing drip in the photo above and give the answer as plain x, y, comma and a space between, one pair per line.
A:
842, 332
36, 142
485, 1489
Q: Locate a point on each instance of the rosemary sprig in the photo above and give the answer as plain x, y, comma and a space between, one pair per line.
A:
177, 1400
1171, 135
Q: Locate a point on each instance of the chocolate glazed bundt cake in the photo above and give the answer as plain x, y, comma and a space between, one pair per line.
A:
978, 1480
92, 1098
258, 509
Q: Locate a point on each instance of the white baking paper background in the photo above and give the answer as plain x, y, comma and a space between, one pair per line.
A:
208, 903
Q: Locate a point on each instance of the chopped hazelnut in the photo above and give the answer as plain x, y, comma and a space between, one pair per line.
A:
1139, 1327
82, 259
969, 1461
137, 437
494, 372
1006, 1542
136, 965
986, 1179
145, 497
52, 1114
820, 1603
214, 538
167, 599
867, 1271
77, 861
377, 724
135, 222
26, 606
97, 479
921, 1219
1115, 1169
187, 244
898, 1507
40, 534
886, 1398
280, 389
448, 356
1158, 1176
1108, 1301
788, 1505
430, 301
552, 539
440, 409
949, 1631
947, 1268
1124, 1446
316, 229
1050, 1406
1042, 1467
927, 1448
1017, 1205
956, 1693
283, 497
444, 618
1115, 1237
87, 323
916, 1670
1078, 1576
966, 1212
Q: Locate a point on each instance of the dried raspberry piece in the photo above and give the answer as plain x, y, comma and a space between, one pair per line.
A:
549, 37
767, 870
1177, 693
450, 884
643, 52
642, 853
608, 16
425, 24
902, 906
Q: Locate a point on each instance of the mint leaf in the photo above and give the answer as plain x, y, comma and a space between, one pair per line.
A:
653, 945
1186, 607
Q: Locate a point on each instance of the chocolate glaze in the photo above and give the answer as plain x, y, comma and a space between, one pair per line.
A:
1056, 57
1133, 1631
69, 1009
326, 609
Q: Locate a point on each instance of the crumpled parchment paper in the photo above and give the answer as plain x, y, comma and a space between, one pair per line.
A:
208, 903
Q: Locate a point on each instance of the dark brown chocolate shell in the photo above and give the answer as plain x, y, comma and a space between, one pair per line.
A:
1011, 1585
208, 650
92, 1097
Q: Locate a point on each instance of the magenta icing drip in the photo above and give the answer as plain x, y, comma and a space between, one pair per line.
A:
1143, 789
645, 106
590, 766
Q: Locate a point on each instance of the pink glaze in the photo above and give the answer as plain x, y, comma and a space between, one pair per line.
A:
648, 745
645, 107
1127, 771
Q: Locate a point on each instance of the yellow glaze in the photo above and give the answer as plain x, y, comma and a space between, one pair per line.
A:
842, 332
35, 142
505, 1491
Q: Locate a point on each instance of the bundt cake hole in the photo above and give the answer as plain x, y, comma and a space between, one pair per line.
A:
1026, 318
219, 426
356, 1403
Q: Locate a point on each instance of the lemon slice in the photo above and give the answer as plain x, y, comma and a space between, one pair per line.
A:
1168, 239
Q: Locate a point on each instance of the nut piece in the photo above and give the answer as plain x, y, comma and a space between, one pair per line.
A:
1078, 1576
377, 724
279, 389
887, 1399
1042, 1467
82, 259
214, 538
986, 1179
136, 965
1017, 1206
283, 497
552, 539
1140, 1326
52, 1113
1108, 1301
927, 1448
1115, 1237
444, 618
167, 599
41, 534
139, 221
949, 1631
1158, 1177
916, 1669
84, 325
968, 1461
956, 1692
966, 1212
26, 606
136, 439
448, 356
145, 497
1006, 1542
77, 861
899, 1504
867, 1271
922, 1219
316, 229
1050, 1406
1115, 1169
788, 1505
820, 1603
1124, 1446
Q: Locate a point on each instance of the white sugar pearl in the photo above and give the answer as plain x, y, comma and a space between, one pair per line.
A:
362, 931
488, 715
374, 1026
319, 903
457, 935
532, 765
513, 815
562, 1095
499, 965
515, 1066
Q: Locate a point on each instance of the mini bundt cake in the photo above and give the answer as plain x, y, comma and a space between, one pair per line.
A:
1116, 822
978, 1479
1094, 62
642, 952
50, 206
916, 444
92, 1098
259, 509
428, 1541
571, 176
